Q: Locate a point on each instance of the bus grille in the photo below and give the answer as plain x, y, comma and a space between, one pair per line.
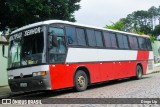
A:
25, 76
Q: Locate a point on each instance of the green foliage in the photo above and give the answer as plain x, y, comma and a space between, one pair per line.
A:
153, 38
16, 13
157, 30
119, 25
141, 22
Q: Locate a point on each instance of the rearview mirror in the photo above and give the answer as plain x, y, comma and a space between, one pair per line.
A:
3, 50
53, 41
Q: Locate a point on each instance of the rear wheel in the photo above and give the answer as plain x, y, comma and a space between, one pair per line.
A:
139, 72
80, 81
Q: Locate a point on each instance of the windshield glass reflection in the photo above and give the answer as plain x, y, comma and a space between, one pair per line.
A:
27, 48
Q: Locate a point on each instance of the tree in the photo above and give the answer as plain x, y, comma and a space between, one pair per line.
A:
153, 13
140, 21
157, 30
16, 13
4, 14
119, 25
158, 14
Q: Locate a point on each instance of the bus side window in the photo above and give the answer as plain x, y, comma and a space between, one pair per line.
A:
125, 41
148, 42
133, 42
91, 38
99, 39
81, 37
71, 35
142, 43
122, 41
113, 40
107, 40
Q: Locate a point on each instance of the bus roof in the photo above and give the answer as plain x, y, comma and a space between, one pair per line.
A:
71, 23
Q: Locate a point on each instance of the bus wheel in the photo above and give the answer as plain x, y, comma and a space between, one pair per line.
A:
139, 72
80, 80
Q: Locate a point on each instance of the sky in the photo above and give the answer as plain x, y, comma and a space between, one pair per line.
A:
101, 12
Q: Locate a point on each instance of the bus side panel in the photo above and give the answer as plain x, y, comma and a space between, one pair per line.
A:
131, 68
95, 74
124, 69
127, 69
106, 70
143, 57
60, 76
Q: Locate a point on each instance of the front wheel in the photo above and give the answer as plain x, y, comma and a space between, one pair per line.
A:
80, 81
139, 72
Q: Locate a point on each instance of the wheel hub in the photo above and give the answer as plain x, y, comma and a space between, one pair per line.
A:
81, 81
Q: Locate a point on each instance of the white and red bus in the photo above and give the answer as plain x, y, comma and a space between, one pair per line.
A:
56, 54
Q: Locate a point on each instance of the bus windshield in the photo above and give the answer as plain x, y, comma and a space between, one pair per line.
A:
27, 48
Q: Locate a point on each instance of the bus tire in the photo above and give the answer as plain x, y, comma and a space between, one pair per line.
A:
139, 72
80, 80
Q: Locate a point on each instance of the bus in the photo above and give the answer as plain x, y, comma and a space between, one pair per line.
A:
55, 54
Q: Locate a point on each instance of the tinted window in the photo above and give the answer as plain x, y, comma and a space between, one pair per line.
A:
149, 47
81, 37
142, 43
91, 38
125, 41
99, 39
120, 41
56, 31
113, 40
133, 42
107, 39
71, 35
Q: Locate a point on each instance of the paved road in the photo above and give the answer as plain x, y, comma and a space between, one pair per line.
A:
148, 87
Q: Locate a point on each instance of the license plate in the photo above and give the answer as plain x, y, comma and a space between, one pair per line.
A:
23, 84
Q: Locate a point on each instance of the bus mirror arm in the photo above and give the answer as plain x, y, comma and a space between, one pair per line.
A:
3, 51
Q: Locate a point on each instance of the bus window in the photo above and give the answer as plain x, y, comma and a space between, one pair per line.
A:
99, 38
91, 38
149, 47
57, 52
71, 35
113, 40
120, 41
56, 31
107, 39
125, 41
133, 42
81, 37
142, 43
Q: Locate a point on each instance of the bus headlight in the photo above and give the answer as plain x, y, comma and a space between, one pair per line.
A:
10, 77
41, 73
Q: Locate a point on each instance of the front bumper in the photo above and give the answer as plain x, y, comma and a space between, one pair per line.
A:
33, 84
